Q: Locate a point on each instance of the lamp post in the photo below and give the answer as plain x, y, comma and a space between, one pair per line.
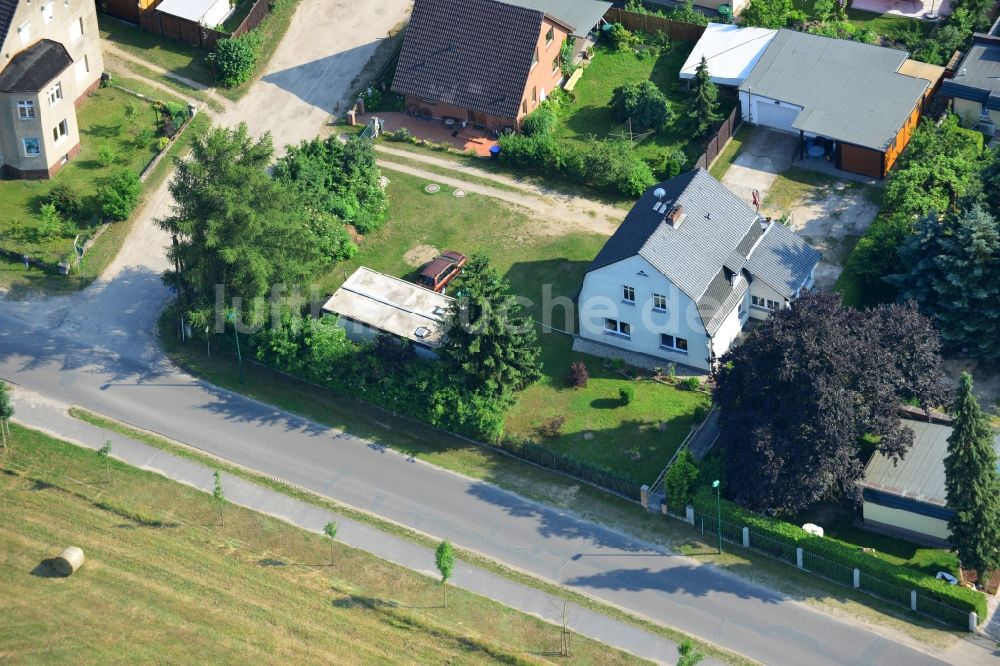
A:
718, 511
231, 316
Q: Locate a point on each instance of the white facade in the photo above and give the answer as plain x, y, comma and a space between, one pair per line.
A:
602, 299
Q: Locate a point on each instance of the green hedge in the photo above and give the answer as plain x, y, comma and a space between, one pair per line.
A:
595, 474
958, 597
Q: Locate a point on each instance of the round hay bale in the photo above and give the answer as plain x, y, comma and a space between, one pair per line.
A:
68, 561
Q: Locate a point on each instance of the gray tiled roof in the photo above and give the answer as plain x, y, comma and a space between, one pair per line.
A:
7, 9
34, 67
474, 54
782, 259
719, 299
580, 16
848, 91
978, 77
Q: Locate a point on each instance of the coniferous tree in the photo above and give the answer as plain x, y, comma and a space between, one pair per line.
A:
489, 336
706, 99
973, 485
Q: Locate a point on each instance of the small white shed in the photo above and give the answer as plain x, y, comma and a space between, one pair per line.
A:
208, 13
731, 52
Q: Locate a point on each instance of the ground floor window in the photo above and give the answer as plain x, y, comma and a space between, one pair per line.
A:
32, 147
615, 327
766, 303
673, 343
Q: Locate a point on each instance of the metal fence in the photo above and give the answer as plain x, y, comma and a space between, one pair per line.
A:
835, 571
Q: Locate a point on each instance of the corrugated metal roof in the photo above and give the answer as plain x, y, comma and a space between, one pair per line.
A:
474, 54
580, 16
782, 259
920, 475
848, 91
34, 67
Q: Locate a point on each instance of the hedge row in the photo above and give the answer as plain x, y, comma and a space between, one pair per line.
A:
961, 598
595, 474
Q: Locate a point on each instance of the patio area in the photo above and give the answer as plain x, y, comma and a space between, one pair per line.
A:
462, 138
928, 10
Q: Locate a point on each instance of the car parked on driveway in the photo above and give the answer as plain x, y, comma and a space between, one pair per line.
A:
440, 272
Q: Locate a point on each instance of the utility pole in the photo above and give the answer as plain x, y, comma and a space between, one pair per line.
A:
718, 510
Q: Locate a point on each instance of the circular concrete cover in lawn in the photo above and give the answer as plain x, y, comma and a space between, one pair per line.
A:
431, 188
459, 193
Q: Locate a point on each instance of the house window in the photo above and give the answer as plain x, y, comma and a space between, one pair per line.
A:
534, 57
673, 343
55, 94
47, 12
659, 302
32, 147
26, 109
82, 68
615, 327
534, 94
524, 106
24, 32
550, 35
628, 294
60, 131
741, 310
765, 303
555, 64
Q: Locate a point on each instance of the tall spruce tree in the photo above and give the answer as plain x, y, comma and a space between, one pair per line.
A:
489, 336
953, 273
706, 99
973, 484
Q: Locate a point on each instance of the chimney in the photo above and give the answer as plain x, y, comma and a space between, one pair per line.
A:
676, 216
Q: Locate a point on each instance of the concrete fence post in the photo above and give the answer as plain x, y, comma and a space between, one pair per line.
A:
644, 496
663, 509
798, 558
913, 600
746, 537
973, 621
857, 578
689, 515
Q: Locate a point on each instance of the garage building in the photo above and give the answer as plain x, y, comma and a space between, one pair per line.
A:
856, 103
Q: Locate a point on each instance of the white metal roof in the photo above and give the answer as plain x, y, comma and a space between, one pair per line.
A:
192, 10
392, 305
731, 52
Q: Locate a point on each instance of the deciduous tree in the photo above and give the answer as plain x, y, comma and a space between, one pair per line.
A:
219, 494
444, 559
807, 384
330, 530
973, 484
6, 411
643, 103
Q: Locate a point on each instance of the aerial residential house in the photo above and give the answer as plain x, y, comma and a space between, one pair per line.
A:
855, 103
907, 497
485, 62
683, 274
50, 60
370, 304
975, 88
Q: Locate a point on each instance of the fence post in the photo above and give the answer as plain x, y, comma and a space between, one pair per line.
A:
746, 537
857, 578
689, 516
973, 621
913, 600
798, 558
644, 496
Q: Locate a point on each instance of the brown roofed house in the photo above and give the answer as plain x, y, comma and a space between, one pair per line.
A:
486, 62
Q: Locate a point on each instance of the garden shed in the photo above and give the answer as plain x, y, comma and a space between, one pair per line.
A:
204, 13
731, 52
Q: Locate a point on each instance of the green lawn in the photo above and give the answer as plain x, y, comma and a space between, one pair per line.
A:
164, 581
894, 28
172, 55
102, 122
591, 115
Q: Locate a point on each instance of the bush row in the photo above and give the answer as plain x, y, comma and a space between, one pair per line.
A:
952, 595
595, 474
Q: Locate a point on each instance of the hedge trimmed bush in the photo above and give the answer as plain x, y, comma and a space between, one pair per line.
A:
953, 595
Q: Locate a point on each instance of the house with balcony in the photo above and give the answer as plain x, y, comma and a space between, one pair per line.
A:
689, 267
50, 60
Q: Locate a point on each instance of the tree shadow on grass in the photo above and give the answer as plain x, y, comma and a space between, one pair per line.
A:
606, 403
102, 131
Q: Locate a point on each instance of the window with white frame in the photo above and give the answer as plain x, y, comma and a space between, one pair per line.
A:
32, 147
615, 327
60, 131
766, 303
673, 343
24, 32
48, 12
55, 93
26, 109
628, 294
659, 302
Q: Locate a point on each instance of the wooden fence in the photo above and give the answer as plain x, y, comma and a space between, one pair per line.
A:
675, 30
718, 142
155, 21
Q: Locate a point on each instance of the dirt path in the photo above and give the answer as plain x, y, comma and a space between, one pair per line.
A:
604, 213
555, 217
123, 65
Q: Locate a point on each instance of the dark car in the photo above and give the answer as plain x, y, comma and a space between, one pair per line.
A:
437, 274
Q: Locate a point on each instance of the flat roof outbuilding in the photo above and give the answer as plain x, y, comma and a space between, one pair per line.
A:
731, 52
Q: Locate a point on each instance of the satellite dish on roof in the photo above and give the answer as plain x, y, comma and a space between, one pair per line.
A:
659, 193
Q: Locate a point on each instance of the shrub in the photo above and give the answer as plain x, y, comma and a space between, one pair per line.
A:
66, 200
540, 122
49, 223
235, 59
614, 166
106, 155
401, 135
643, 102
674, 162
686, 13
767, 13
627, 394
691, 383
566, 58
679, 483
699, 414
162, 143
119, 195
551, 428
578, 375
621, 38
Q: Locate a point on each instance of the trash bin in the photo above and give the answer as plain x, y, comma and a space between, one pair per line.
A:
494, 152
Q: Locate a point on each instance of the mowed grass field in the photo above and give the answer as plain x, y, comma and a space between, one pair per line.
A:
164, 582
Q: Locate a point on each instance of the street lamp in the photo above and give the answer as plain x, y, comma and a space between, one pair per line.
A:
718, 511
231, 316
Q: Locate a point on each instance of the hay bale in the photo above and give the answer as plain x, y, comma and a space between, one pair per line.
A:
68, 561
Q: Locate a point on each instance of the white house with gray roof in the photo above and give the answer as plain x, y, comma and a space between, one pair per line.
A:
685, 271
